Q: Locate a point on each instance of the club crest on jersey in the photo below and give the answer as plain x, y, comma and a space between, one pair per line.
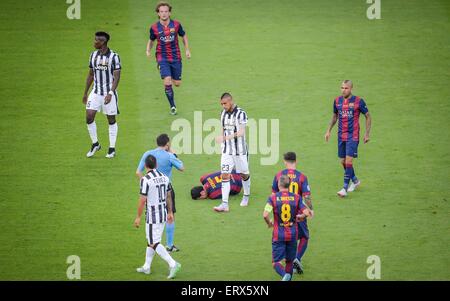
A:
351, 105
172, 30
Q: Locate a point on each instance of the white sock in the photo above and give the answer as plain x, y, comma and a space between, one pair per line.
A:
225, 191
92, 129
165, 255
149, 257
246, 185
113, 128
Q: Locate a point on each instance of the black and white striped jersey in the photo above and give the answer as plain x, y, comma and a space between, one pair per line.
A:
232, 122
103, 66
155, 185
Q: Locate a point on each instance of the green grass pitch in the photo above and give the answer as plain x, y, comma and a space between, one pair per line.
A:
280, 59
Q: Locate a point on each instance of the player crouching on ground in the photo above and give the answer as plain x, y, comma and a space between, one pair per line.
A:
288, 210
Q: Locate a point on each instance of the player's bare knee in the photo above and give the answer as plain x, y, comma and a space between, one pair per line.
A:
89, 119
153, 246
177, 83
245, 176
225, 177
167, 81
111, 119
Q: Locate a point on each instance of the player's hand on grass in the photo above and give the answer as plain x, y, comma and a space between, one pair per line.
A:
188, 54
107, 99
366, 138
137, 222
327, 136
84, 98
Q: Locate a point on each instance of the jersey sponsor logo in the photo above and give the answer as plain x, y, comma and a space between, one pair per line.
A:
166, 39
346, 113
101, 67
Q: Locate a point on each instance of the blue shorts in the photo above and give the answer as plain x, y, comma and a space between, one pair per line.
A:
170, 69
284, 250
348, 148
303, 231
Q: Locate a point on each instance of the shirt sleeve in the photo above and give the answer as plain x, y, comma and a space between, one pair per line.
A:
335, 110
305, 187
116, 65
242, 118
363, 107
143, 187
181, 31
275, 185
141, 164
152, 34
169, 187
90, 61
177, 163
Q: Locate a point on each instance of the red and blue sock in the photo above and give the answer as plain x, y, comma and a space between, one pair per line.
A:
289, 267
301, 248
169, 94
279, 269
348, 174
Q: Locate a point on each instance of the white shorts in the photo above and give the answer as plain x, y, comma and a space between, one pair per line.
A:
97, 102
154, 232
240, 162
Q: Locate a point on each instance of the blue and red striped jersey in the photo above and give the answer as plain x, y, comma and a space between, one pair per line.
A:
299, 182
286, 206
212, 183
348, 111
167, 48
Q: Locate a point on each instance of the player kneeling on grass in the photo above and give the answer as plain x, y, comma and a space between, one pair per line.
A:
212, 186
155, 190
288, 210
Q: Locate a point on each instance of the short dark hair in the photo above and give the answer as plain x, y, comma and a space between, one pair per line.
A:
195, 192
284, 181
102, 34
162, 140
150, 162
290, 157
226, 95
162, 3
